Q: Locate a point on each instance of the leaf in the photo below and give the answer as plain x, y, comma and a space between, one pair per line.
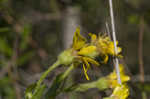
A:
7, 90
25, 36
24, 58
58, 84
29, 90
147, 87
100, 84
144, 87
4, 29
133, 19
39, 93
4, 47
53, 91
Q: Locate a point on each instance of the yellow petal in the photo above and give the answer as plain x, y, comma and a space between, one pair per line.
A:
105, 59
86, 62
125, 78
90, 60
121, 92
111, 49
85, 72
88, 51
106, 46
113, 77
78, 40
119, 50
93, 37
116, 42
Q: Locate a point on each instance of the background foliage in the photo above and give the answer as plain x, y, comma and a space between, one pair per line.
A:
31, 38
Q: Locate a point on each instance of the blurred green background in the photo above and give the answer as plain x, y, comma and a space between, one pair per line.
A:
34, 32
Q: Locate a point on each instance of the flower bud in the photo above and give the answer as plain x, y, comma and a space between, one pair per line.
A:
66, 57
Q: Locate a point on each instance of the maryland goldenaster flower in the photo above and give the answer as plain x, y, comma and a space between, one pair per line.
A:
120, 92
112, 78
84, 52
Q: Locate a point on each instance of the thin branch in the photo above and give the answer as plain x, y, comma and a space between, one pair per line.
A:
107, 29
14, 74
114, 39
140, 50
140, 53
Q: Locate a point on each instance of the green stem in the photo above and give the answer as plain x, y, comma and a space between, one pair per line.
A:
144, 95
56, 86
101, 84
66, 73
56, 64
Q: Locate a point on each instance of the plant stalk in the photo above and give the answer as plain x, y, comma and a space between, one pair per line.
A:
114, 39
140, 55
66, 73
56, 64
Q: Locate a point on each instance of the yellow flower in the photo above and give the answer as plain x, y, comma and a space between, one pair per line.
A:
84, 52
113, 77
86, 65
87, 52
106, 46
120, 92
78, 40
93, 37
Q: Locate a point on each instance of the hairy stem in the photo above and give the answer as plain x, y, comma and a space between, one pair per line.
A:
56, 64
66, 73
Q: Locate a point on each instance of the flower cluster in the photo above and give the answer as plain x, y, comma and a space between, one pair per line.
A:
85, 52
119, 91
101, 46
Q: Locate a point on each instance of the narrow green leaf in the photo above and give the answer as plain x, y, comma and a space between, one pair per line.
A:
44, 75
100, 84
39, 93
29, 90
4, 29
4, 47
25, 36
57, 85
54, 89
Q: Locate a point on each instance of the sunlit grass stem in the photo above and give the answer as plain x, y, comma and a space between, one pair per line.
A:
114, 39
